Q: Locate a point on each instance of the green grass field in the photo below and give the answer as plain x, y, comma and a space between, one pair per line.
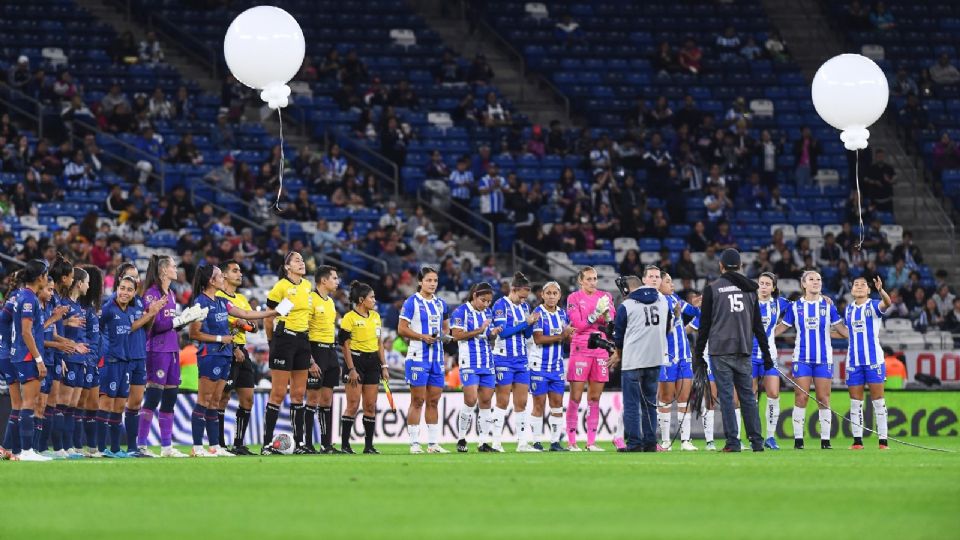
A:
903, 493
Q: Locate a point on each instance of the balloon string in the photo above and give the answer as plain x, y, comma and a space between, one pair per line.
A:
859, 205
282, 159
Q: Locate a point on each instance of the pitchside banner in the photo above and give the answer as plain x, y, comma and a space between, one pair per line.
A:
911, 414
944, 365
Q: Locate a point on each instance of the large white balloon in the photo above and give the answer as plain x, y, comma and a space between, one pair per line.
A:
264, 49
850, 93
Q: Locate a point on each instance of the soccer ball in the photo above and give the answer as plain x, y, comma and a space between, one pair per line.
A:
283, 442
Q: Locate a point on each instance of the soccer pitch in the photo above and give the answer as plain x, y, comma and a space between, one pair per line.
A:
902, 493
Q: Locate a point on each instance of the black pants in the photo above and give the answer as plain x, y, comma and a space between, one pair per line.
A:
736, 372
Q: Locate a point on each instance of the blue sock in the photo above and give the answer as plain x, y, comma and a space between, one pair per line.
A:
27, 423
213, 427
103, 427
13, 430
90, 428
69, 428
131, 420
56, 431
116, 434
198, 423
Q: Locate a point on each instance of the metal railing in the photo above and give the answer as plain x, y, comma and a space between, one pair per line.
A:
489, 239
8, 259
353, 251
224, 210
520, 251
348, 143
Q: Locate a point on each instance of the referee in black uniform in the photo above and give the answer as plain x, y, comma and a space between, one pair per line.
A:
324, 372
730, 321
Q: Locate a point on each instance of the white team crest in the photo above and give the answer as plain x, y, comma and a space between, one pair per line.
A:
216, 371
113, 386
160, 373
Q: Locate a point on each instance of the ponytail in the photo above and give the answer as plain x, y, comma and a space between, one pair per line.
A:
60, 269
94, 295
153, 272
520, 281
121, 270
201, 279
479, 289
359, 291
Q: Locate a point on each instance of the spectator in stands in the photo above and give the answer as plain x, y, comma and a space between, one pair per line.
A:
491, 189
658, 227
183, 105
858, 16
685, 269
946, 155
448, 71
786, 267
728, 44
717, 203
18, 76
186, 151
393, 142
916, 302
926, 84
353, 70
233, 96
77, 110
222, 135
661, 116
776, 47
698, 240
943, 298
495, 114
64, 87
913, 117
308, 72
113, 98
222, 226
723, 239
690, 57
903, 84
898, 309
908, 252
951, 321
631, 265
802, 252
708, 266
461, 182
436, 169
738, 111
760, 265
873, 237
78, 174
21, 200
750, 50
881, 19
830, 253
423, 248
664, 61
806, 151
480, 71
568, 32
754, 194
557, 139
928, 317
391, 219
943, 72
330, 67
159, 108
124, 49
40, 87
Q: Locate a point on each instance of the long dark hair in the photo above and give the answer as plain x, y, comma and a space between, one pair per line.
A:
358, 291
31, 272
153, 273
60, 269
94, 295
423, 273
479, 289
520, 281
79, 274
124, 266
201, 279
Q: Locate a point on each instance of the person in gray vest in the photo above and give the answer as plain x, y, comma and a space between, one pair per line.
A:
730, 320
640, 334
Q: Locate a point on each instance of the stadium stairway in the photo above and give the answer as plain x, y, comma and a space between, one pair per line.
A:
813, 40
528, 93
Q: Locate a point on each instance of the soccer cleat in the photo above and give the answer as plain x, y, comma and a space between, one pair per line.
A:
32, 455
370, 450
74, 453
269, 450
798, 444
108, 454
241, 450
711, 447
437, 449
300, 451
595, 448
538, 446
619, 443
526, 448
485, 447
171, 452
574, 448
222, 452
145, 451
884, 445
825, 445
346, 449
687, 446
856, 447
415, 448
136, 454
771, 443
61, 454
201, 452
310, 449
330, 450
731, 449
51, 454
498, 448
557, 447
94, 455
462, 446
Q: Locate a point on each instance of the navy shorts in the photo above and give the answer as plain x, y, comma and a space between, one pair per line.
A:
115, 379
91, 376
215, 368
8, 371
75, 374
138, 372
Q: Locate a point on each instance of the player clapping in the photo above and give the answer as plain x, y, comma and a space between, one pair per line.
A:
865, 363
550, 333
471, 327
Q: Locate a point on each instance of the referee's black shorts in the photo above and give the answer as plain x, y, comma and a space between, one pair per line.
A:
242, 374
289, 351
368, 366
325, 355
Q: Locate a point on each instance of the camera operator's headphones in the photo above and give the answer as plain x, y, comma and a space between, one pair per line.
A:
621, 283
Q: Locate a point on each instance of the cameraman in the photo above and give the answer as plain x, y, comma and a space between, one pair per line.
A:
640, 334
730, 320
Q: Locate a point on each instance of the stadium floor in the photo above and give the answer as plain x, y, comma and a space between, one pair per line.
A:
903, 493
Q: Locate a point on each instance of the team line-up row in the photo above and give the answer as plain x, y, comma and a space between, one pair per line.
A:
88, 374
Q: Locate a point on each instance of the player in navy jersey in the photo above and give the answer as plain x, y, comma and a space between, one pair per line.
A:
772, 308
676, 374
11, 439
90, 395
470, 326
424, 320
814, 317
214, 355
26, 353
865, 361
510, 360
550, 334
74, 366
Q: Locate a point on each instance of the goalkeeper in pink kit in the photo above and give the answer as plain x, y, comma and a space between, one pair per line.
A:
590, 311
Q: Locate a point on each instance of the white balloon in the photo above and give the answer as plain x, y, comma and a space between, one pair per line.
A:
850, 93
264, 49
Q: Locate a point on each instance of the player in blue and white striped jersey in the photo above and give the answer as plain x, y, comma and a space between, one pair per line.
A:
814, 317
676, 373
470, 326
865, 362
461, 182
772, 308
510, 360
424, 320
547, 365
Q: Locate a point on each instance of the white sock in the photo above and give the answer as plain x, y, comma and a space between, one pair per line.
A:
484, 426
463, 424
773, 416
663, 421
826, 420
496, 427
685, 423
856, 417
536, 428
556, 425
523, 429
414, 432
799, 415
880, 412
739, 422
708, 419
433, 434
